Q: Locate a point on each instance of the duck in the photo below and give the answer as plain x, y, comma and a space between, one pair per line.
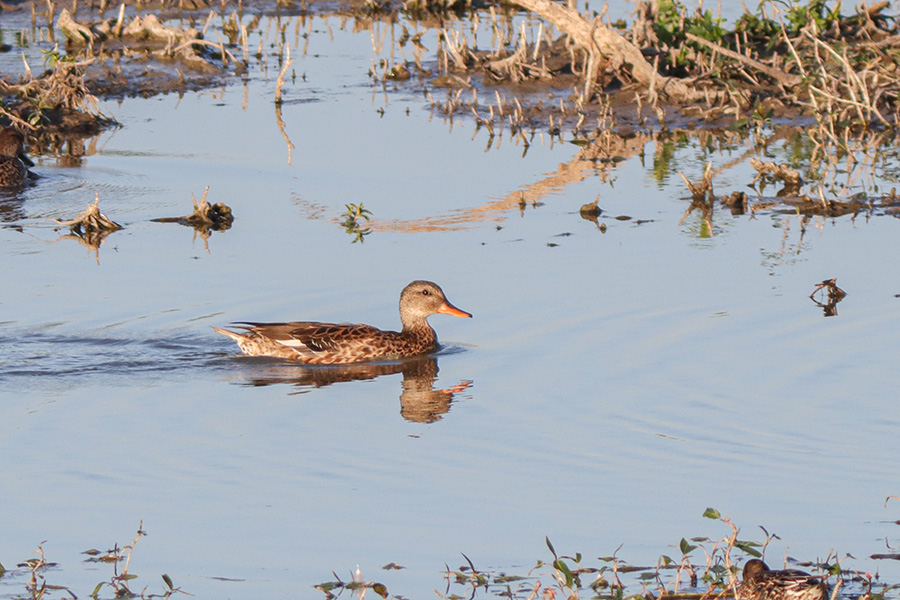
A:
762, 583
13, 161
315, 343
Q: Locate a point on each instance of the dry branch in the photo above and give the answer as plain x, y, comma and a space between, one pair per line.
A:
596, 37
785, 79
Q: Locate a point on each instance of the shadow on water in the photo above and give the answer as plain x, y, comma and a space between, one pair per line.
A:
420, 402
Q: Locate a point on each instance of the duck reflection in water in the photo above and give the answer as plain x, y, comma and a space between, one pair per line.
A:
420, 402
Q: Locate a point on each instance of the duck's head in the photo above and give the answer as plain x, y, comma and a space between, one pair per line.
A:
421, 299
12, 144
753, 568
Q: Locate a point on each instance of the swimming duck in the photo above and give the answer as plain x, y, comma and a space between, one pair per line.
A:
316, 343
762, 583
13, 161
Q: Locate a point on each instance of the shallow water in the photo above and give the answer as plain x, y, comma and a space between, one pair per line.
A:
610, 387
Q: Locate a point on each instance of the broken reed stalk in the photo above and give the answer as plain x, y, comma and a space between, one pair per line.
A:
279, 83
140, 534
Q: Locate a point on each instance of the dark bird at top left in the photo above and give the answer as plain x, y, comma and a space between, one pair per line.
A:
14, 162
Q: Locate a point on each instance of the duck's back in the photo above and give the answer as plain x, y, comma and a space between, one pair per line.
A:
312, 342
12, 172
783, 585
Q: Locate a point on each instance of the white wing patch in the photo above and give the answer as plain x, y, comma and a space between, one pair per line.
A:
291, 343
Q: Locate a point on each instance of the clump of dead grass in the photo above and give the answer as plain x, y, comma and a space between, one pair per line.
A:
59, 99
90, 227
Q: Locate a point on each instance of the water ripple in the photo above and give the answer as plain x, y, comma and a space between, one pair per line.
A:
27, 358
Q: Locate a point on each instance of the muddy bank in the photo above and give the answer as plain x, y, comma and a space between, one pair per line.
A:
667, 69
547, 69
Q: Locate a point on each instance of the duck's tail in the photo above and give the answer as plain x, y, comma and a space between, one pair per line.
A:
238, 337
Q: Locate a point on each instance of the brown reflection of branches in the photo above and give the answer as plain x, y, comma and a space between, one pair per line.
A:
596, 158
287, 62
419, 401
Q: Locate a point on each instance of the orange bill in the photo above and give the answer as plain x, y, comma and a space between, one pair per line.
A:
448, 309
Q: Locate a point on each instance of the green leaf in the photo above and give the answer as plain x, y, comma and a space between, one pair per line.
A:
128, 576
564, 569
686, 548
550, 545
380, 589
97, 590
328, 586
748, 547
711, 513
168, 581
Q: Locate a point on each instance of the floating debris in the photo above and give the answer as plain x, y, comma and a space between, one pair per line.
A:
91, 222
591, 211
769, 171
737, 201
398, 72
91, 227
835, 295
205, 219
703, 198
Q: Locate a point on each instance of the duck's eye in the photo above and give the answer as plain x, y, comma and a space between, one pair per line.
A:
426, 292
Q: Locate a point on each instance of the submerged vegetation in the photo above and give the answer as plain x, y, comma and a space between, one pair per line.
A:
119, 585
352, 224
701, 569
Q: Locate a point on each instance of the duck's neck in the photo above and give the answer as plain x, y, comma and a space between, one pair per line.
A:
419, 329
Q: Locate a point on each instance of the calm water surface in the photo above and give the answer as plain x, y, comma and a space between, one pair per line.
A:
610, 387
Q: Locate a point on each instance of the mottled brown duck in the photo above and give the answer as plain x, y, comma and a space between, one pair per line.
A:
14, 162
762, 583
316, 343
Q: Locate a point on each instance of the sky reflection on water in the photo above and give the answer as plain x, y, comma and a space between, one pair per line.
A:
610, 387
